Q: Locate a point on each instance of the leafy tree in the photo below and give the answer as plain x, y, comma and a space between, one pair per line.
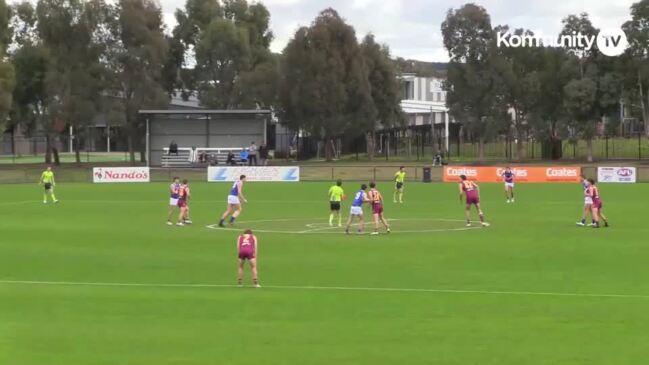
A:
474, 80
136, 51
637, 59
6, 69
521, 68
230, 41
67, 29
385, 89
580, 104
325, 89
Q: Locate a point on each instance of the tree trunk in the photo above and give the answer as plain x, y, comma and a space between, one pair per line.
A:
329, 150
55, 153
369, 141
644, 105
48, 149
75, 143
481, 149
589, 149
520, 146
131, 151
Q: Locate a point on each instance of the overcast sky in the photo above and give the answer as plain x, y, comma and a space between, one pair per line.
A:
412, 27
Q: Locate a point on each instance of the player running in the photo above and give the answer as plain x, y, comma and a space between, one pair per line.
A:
357, 210
234, 201
508, 179
588, 203
399, 180
174, 191
336, 196
47, 181
597, 205
376, 200
184, 195
247, 251
472, 192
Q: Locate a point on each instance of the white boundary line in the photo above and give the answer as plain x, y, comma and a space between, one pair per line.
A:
326, 230
328, 288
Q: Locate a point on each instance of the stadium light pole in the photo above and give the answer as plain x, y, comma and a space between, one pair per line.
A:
446, 132
147, 141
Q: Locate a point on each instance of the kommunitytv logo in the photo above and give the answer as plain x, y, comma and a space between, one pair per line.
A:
611, 42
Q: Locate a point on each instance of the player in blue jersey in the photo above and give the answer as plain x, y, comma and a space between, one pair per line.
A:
234, 201
508, 178
588, 203
174, 192
357, 210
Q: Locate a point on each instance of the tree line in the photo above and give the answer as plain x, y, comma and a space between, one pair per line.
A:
549, 93
63, 62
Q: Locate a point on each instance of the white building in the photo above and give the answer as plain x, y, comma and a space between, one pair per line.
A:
424, 102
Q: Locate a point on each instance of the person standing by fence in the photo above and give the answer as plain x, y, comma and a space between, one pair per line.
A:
252, 154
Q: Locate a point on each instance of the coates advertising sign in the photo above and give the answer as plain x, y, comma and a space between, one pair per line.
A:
536, 174
120, 174
260, 173
616, 175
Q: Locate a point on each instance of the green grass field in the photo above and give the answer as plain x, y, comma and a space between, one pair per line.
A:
100, 279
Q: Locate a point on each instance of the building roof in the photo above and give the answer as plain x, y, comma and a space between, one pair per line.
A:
203, 111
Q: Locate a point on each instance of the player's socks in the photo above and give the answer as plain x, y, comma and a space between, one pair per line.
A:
232, 219
221, 222
340, 221
583, 221
54, 198
482, 218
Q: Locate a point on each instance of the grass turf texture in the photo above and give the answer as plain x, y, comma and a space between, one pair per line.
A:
116, 234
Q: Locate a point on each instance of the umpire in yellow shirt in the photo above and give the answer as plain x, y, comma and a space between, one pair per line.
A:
47, 181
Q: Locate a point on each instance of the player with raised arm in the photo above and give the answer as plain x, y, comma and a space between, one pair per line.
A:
336, 196
508, 178
399, 181
247, 251
174, 192
235, 198
588, 203
376, 201
47, 181
471, 191
357, 210
597, 205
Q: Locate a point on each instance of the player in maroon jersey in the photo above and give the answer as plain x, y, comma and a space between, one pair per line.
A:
597, 204
247, 251
376, 202
183, 203
472, 192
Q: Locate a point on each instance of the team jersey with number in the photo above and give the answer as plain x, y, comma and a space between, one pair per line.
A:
235, 188
247, 244
508, 176
469, 188
359, 198
175, 190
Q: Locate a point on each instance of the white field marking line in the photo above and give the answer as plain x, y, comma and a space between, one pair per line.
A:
319, 229
24, 202
322, 230
325, 288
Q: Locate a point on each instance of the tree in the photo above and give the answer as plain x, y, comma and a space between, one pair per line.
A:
385, 89
6, 69
135, 59
521, 68
68, 29
474, 83
637, 59
580, 104
325, 88
230, 41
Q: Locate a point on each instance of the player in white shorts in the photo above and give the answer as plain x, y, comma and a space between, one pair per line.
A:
357, 210
234, 201
174, 191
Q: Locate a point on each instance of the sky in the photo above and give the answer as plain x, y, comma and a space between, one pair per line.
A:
411, 28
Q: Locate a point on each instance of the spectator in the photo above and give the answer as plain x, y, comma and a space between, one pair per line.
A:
173, 148
202, 157
263, 154
230, 160
243, 156
438, 159
252, 154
